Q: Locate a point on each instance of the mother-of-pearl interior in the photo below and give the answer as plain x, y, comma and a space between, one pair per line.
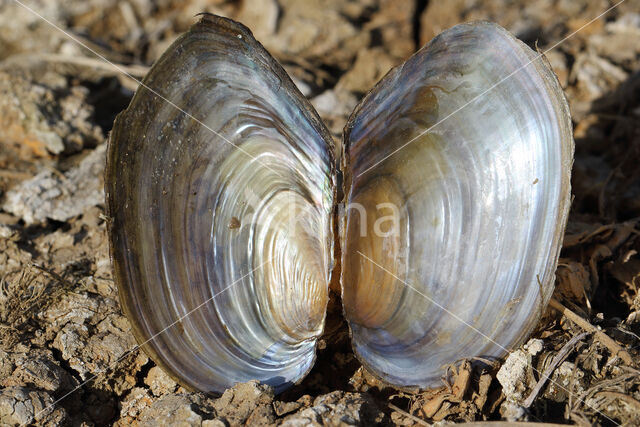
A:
224, 222
466, 262
221, 188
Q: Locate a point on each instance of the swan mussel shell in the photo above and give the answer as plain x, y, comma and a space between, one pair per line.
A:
461, 158
221, 217
221, 188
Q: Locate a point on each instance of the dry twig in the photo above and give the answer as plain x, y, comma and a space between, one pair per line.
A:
564, 351
607, 341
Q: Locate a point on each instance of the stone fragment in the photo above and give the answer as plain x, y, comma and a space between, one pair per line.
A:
94, 338
40, 372
261, 16
134, 403
46, 116
370, 66
187, 409
247, 403
338, 408
619, 41
159, 382
335, 106
514, 375
59, 196
21, 406
41, 36
534, 346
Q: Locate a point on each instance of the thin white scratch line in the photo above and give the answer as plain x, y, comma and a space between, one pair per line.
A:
458, 318
123, 71
94, 376
475, 98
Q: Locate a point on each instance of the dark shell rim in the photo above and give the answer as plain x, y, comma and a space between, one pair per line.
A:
568, 151
207, 22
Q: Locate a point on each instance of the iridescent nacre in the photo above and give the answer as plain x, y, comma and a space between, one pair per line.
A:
462, 156
221, 192
221, 218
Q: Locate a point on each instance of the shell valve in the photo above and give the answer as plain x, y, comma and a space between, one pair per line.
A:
456, 181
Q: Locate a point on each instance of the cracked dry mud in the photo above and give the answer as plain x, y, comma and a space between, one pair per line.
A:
60, 322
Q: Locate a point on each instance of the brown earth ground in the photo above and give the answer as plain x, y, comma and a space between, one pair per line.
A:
60, 320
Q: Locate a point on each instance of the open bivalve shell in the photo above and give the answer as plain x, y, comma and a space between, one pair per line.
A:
221, 192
